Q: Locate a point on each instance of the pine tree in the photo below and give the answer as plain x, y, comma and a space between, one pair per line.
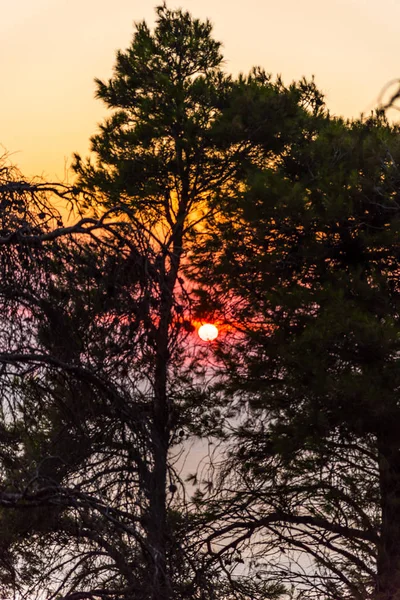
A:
178, 140
157, 160
307, 264
98, 367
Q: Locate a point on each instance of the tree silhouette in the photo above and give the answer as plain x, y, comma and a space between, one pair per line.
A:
307, 262
96, 366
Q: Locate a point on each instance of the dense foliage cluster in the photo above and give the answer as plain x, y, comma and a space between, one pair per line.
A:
305, 266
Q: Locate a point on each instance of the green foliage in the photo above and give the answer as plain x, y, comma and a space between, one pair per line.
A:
99, 377
305, 264
165, 92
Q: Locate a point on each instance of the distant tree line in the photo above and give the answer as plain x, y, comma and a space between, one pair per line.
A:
206, 198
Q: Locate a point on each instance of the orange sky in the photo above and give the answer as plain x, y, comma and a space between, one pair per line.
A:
52, 49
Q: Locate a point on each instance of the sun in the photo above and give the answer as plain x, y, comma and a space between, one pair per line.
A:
208, 332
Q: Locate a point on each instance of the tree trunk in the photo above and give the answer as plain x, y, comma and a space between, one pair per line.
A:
388, 576
161, 588
158, 527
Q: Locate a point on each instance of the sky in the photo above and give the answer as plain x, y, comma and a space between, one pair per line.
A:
51, 50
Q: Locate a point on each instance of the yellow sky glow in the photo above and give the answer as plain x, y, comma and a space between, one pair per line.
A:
51, 50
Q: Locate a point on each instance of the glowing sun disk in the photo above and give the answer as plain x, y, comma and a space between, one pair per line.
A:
208, 332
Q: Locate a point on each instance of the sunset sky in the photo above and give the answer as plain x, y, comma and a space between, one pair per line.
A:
51, 50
